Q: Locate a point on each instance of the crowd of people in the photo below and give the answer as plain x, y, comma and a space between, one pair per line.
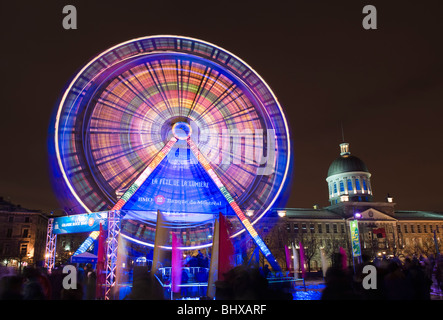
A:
36, 284
407, 279
248, 283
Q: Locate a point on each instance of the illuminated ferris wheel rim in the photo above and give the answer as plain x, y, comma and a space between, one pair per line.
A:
68, 90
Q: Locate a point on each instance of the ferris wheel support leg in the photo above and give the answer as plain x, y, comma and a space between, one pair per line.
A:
111, 252
51, 244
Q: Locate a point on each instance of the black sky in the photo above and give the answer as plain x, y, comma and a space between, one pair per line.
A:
384, 85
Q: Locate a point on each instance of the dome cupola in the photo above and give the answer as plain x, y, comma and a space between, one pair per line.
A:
348, 178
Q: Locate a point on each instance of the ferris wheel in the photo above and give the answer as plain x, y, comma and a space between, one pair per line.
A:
174, 124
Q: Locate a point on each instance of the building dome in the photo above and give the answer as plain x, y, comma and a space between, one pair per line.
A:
348, 178
346, 163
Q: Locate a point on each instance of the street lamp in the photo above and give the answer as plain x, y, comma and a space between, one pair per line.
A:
281, 213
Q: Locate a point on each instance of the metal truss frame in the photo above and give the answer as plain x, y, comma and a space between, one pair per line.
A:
114, 227
51, 245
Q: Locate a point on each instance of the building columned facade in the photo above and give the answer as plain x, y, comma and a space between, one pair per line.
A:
383, 230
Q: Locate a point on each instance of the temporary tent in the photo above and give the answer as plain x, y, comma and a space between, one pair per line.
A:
84, 257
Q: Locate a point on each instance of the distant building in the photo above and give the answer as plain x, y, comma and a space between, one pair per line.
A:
22, 235
383, 230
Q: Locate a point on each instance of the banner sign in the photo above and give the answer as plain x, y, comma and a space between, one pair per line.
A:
355, 238
80, 223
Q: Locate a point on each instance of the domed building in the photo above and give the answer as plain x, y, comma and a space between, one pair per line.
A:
348, 178
322, 231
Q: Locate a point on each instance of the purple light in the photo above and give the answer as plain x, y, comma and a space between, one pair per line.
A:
357, 215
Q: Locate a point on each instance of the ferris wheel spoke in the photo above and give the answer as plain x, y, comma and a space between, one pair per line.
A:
210, 89
101, 123
104, 130
140, 95
217, 101
179, 79
154, 76
197, 95
136, 168
234, 115
120, 153
123, 109
112, 147
167, 93
230, 122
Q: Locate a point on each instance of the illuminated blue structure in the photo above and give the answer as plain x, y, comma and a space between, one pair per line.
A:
173, 124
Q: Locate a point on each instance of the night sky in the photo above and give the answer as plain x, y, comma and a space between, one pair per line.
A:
385, 86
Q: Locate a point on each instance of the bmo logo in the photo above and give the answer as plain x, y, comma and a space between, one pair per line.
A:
159, 199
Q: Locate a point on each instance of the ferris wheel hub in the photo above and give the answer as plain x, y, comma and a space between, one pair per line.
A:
181, 130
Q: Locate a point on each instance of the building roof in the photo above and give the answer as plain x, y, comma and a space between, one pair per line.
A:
418, 215
326, 213
8, 206
307, 213
346, 163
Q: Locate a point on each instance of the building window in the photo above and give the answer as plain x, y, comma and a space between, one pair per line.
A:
412, 229
327, 228
398, 229
303, 228
335, 188
288, 227
295, 227
342, 186
418, 228
11, 219
357, 184
319, 228
350, 185
311, 227
25, 233
23, 249
406, 228
27, 220
342, 227
364, 185
334, 227
9, 233
425, 229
